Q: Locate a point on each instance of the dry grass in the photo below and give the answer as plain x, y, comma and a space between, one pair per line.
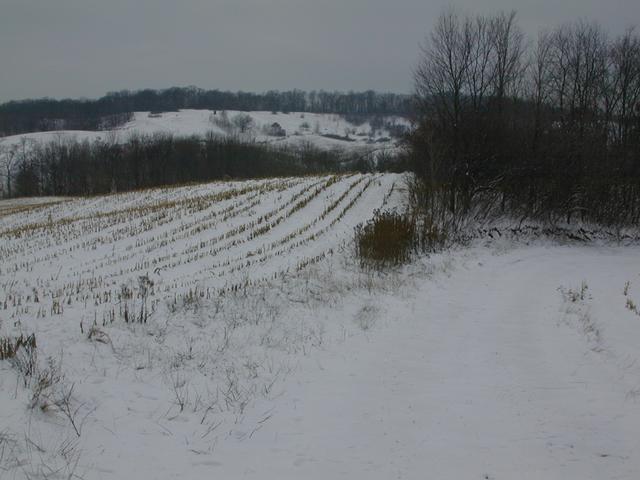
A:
386, 240
9, 346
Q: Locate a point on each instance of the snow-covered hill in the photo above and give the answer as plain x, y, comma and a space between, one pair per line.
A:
324, 131
296, 127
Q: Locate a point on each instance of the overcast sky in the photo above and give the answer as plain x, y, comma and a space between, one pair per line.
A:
84, 48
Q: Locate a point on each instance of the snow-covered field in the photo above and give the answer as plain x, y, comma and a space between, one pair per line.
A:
16, 205
182, 306
226, 331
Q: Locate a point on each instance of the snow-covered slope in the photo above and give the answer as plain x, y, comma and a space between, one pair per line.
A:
298, 127
226, 330
324, 131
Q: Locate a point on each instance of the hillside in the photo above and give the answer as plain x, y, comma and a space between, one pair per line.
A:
298, 128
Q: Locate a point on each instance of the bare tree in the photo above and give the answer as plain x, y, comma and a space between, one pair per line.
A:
440, 80
509, 50
243, 122
11, 156
481, 70
551, 131
440, 75
7, 164
539, 81
579, 66
623, 83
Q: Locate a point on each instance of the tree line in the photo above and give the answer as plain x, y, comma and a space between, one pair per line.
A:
115, 108
72, 168
546, 129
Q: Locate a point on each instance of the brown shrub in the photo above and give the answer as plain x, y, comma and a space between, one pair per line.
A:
386, 240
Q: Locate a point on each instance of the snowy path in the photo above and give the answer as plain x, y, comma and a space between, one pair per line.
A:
481, 375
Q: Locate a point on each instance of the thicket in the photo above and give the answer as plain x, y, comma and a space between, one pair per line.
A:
546, 130
71, 168
390, 239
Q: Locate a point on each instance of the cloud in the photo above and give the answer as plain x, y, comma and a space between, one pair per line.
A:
78, 48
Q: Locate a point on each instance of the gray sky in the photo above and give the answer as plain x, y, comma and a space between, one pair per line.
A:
75, 48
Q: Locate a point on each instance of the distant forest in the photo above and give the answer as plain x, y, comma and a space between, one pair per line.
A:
116, 108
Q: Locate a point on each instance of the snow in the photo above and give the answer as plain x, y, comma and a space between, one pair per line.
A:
481, 373
490, 361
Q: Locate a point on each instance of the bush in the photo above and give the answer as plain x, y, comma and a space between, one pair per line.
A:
243, 122
386, 240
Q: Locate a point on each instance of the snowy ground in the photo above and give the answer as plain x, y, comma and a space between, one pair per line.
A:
484, 371
268, 353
